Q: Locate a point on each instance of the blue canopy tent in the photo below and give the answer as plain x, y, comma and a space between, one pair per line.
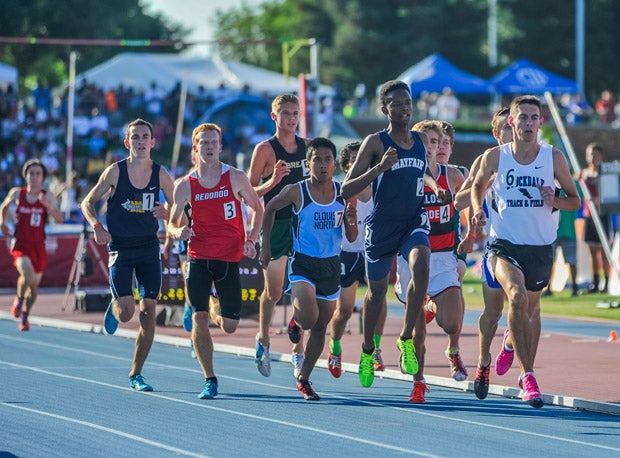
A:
434, 73
524, 77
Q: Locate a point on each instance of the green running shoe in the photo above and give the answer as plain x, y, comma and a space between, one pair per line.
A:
408, 362
366, 369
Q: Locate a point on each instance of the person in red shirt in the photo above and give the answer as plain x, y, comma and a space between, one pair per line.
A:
217, 241
33, 205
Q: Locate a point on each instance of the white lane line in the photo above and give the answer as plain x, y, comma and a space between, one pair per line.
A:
227, 411
116, 432
254, 382
325, 432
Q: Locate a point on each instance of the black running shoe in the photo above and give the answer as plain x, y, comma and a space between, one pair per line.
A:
481, 384
294, 331
305, 387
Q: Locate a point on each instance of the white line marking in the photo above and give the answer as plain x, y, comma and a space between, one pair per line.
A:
309, 428
106, 429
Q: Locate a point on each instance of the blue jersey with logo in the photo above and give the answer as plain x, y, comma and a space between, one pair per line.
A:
398, 193
317, 228
129, 217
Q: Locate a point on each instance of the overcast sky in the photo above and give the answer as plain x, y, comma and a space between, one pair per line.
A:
196, 14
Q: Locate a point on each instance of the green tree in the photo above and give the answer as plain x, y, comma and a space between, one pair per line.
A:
84, 19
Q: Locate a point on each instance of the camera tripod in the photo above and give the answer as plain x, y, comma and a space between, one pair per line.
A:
80, 263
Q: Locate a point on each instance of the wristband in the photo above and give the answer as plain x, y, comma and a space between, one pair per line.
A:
96, 225
471, 236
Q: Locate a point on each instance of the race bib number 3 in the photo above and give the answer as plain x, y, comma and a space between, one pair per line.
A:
230, 210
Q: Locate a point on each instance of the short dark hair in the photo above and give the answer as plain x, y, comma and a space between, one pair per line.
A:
346, 153
524, 99
32, 163
138, 122
320, 142
390, 86
448, 130
499, 113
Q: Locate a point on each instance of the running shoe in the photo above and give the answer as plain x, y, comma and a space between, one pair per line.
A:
334, 364
531, 392
408, 362
366, 370
16, 309
24, 324
110, 323
429, 315
263, 360
457, 368
481, 384
298, 361
137, 383
294, 331
379, 366
209, 389
305, 387
505, 358
418, 392
187, 318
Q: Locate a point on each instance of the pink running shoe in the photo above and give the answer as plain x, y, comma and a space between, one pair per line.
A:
505, 358
531, 392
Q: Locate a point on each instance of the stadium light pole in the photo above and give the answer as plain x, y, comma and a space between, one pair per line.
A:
69, 138
580, 39
492, 33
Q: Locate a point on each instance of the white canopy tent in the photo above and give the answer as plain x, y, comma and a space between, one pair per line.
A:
138, 70
8, 75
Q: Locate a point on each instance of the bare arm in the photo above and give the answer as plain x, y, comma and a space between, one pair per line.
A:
9, 200
107, 182
350, 216
488, 169
291, 194
462, 199
262, 165
571, 200
178, 227
50, 203
246, 193
371, 161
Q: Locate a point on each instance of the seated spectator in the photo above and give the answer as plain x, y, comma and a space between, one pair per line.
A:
605, 107
578, 110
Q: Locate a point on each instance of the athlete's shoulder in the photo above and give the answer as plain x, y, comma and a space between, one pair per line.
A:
264, 148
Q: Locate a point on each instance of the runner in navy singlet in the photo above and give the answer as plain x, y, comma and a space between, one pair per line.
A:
133, 187
394, 161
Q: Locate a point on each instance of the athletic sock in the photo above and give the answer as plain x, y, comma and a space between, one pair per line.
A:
377, 339
335, 347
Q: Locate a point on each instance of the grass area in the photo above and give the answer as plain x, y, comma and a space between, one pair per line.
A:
559, 304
